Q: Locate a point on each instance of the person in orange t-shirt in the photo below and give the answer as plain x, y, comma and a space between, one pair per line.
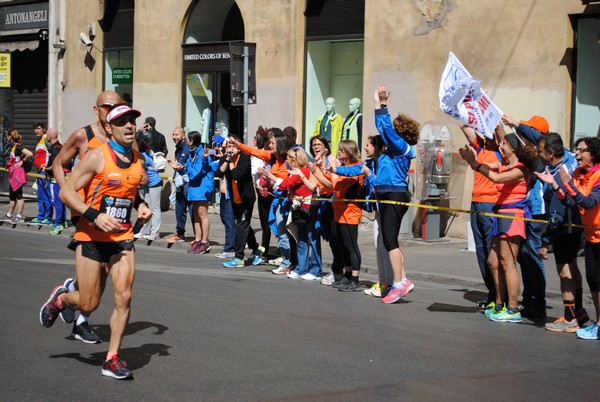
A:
483, 199
511, 177
346, 216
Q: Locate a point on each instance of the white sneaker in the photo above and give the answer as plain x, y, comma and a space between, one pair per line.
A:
139, 235
226, 255
151, 237
310, 277
328, 279
276, 262
293, 275
281, 271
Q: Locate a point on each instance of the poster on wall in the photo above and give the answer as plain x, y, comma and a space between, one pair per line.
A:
4, 70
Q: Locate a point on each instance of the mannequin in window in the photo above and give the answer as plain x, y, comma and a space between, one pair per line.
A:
205, 125
353, 123
330, 125
222, 123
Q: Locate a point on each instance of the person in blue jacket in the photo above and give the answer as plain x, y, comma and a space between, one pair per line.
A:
200, 169
391, 184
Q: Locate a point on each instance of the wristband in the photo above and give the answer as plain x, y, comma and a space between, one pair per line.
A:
478, 167
91, 214
138, 201
382, 105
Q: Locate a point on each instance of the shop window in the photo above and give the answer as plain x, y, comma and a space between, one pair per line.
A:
118, 73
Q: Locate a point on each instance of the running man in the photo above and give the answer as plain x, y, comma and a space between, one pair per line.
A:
109, 176
84, 138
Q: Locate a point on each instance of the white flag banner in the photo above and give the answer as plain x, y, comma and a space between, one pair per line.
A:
461, 97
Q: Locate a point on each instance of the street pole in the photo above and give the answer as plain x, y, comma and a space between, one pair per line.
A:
246, 94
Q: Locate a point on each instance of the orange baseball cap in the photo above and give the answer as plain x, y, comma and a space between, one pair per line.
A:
539, 123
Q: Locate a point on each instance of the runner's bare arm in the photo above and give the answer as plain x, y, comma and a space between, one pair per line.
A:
76, 144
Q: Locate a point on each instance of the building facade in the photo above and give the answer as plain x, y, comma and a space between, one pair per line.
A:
173, 60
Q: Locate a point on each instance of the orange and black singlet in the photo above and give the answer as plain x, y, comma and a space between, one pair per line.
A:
113, 192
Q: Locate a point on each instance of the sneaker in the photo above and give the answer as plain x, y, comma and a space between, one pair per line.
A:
151, 237
225, 255
393, 295
257, 255
562, 325
174, 238
505, 316
351, 287
193, 247
293, 275
65, 224
277, 261
7, 218
56, 230
68, 314
310, 277
342, 282
335, 279
50, 310
328, 279
117, 369
84, 333
17, 219
280, 271
234, 263
590, 332
36, 221
204, 248
139, 235
377, 290
47, 222
491, 310
200, 247
396, 294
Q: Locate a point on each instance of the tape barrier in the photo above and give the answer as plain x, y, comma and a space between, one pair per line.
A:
408, 204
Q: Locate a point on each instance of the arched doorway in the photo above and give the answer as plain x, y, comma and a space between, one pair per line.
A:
211, 26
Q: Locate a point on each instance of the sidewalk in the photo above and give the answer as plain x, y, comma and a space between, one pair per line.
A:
445, 261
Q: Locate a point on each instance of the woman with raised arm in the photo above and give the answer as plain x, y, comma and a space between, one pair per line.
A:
511, 175
391, 185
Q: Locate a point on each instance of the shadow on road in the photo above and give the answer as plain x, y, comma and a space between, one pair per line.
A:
135, 357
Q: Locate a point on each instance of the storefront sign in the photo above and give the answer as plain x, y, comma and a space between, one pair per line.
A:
122, 75
206, 57
24, 17
4, 70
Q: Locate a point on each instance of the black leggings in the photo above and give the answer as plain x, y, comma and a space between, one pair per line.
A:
592, 265
344, 238
391, 218
264, 206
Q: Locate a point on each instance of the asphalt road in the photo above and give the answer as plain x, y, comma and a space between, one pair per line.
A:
204, 333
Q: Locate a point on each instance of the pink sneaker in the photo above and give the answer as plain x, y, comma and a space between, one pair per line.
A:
396, 294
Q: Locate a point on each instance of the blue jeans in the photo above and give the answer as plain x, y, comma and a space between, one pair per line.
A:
43, 197
532, 266
482, 235
228, 220
182, 208
60, 211
283, 239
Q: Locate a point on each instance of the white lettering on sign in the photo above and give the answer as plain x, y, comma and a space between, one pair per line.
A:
207, 56
26, 17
